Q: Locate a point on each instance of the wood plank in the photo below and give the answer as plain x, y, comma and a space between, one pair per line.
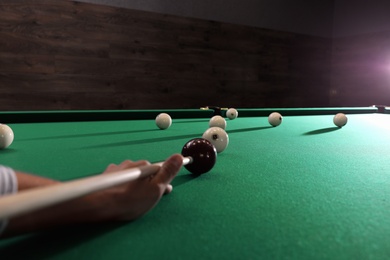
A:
59, 54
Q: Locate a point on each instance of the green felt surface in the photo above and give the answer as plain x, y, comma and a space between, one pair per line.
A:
303, 190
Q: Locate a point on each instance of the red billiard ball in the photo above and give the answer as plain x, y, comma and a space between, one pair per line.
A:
203, 154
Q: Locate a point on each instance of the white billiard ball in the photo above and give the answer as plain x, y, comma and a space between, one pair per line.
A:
275, 119
232, 113
217, 121
340, 120
6, 136
163, 121
217, 137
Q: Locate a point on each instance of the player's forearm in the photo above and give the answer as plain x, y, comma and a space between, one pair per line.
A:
29, 181
81, 210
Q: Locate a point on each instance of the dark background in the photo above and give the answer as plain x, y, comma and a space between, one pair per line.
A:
57, 54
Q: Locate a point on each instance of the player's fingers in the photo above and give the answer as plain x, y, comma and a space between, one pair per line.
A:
125, 165
168, 189
130, 164
111, 168
169, 169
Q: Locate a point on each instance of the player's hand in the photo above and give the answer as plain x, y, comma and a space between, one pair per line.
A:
132, 200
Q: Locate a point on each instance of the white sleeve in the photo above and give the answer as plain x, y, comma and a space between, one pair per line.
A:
8, 185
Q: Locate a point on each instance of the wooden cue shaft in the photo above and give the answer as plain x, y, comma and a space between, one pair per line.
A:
37, 198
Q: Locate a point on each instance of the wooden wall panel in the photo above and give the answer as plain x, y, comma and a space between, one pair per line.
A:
57, 54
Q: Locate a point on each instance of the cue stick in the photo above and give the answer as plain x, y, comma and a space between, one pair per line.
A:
37, 198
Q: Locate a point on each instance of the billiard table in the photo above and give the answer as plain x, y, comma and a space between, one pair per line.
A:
303, 190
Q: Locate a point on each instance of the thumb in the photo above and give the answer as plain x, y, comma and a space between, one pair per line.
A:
169, 169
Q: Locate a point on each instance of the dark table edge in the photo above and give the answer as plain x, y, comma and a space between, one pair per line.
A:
7, 117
